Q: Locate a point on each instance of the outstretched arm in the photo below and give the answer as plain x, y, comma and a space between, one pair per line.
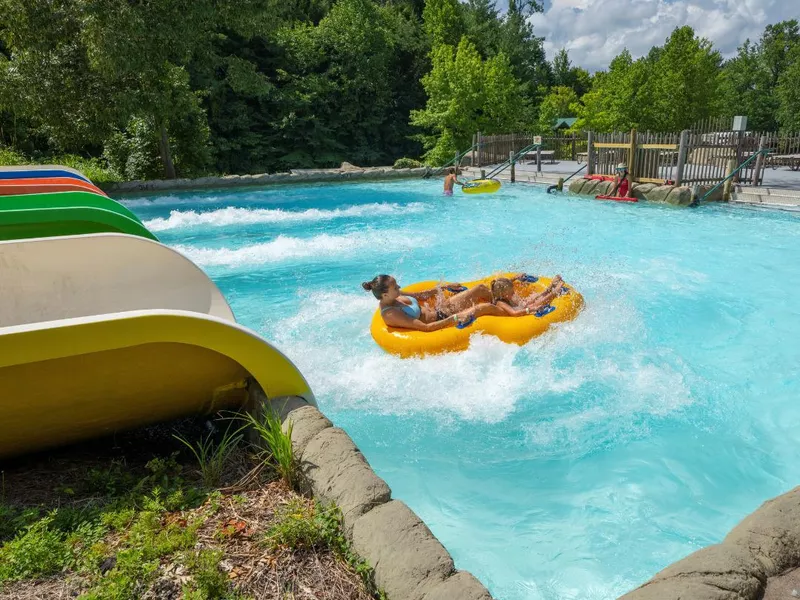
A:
510, 311
425, 294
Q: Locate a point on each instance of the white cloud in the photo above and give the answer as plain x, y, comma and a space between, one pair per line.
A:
595, 31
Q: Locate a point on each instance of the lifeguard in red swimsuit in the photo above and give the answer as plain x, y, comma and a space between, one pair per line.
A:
622, 182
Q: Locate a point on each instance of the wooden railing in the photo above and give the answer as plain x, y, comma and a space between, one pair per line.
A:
690, 157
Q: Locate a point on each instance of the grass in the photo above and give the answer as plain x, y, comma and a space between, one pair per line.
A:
277, 444
213, 456
121, 527
94, 168
308, 524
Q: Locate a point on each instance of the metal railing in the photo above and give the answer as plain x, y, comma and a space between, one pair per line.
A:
509, 161
733, 173
455, 160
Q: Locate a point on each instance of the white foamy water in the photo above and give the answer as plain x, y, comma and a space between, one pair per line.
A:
488, 381
224, 217
286, 248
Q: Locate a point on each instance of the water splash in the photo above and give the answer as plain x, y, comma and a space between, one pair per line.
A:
232, 216
324, 246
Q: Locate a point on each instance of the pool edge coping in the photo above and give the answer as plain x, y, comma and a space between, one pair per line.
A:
764, 545
265, 179
408, 561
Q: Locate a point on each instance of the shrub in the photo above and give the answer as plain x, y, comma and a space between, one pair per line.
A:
407, 163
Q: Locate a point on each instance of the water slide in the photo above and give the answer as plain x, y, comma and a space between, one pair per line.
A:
29, 171
43, 185
110, 331
65, 213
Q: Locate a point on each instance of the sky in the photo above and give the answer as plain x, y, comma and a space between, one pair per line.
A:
595, 31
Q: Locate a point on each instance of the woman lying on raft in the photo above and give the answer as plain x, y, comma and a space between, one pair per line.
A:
460, 310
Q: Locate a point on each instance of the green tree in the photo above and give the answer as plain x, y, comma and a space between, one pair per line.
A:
525, 52
466, 94
47, 75
746, 89
778, 44
617, 100
788, 93
564, 74
669, 89
443, 21
684, 88
482, 25
561, 101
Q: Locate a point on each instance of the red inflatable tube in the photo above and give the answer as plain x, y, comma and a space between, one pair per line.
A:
599, 177
616, 198
43, 185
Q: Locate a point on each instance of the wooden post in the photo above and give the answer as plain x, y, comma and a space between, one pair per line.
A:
574, 153
513, 172
480, 148
683, 148
757, 172
472, 158
739, 145
632, 156
726, 187
539, 158
590, 154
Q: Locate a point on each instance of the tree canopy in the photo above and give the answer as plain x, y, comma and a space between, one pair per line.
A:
169, 88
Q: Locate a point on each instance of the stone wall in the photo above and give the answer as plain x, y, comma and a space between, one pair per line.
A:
665, 194
757, 560
409, 563
346, 173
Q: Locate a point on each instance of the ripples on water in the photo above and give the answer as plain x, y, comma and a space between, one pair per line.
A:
574, 467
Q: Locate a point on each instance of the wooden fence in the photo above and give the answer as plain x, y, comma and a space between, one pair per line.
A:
493, 149
692, 157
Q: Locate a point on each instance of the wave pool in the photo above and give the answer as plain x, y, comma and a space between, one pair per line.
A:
574, 467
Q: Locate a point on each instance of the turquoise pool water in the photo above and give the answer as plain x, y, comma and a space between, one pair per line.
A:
574, 467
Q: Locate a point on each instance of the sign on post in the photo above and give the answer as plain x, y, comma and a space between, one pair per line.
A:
537, 139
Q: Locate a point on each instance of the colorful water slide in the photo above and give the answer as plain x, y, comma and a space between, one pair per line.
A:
29, 171
65, 213
162, 344
44, 185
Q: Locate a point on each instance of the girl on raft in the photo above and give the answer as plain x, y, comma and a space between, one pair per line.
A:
403, 310
622, 182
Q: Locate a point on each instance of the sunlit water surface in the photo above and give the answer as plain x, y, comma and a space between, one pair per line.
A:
576, 466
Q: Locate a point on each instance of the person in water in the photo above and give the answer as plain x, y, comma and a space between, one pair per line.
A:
622, 182
506, 300
450, 180
402, 309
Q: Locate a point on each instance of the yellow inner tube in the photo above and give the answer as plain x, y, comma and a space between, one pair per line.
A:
513, 330
481, 186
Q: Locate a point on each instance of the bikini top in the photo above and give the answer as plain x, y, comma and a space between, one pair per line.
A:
412, 310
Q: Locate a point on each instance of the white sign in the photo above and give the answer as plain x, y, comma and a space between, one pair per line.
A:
537, 139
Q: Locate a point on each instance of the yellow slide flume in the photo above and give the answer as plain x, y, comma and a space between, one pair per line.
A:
67, 374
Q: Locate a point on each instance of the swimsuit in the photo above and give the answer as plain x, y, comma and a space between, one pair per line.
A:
412, 310
448, 192
623, 187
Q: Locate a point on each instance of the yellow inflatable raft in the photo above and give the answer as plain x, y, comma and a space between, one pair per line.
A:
481, 186
513, 330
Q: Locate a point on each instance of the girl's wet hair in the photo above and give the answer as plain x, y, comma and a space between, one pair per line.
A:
378, 286
499, 283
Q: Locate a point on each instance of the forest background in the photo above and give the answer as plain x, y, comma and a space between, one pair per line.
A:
138, 89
